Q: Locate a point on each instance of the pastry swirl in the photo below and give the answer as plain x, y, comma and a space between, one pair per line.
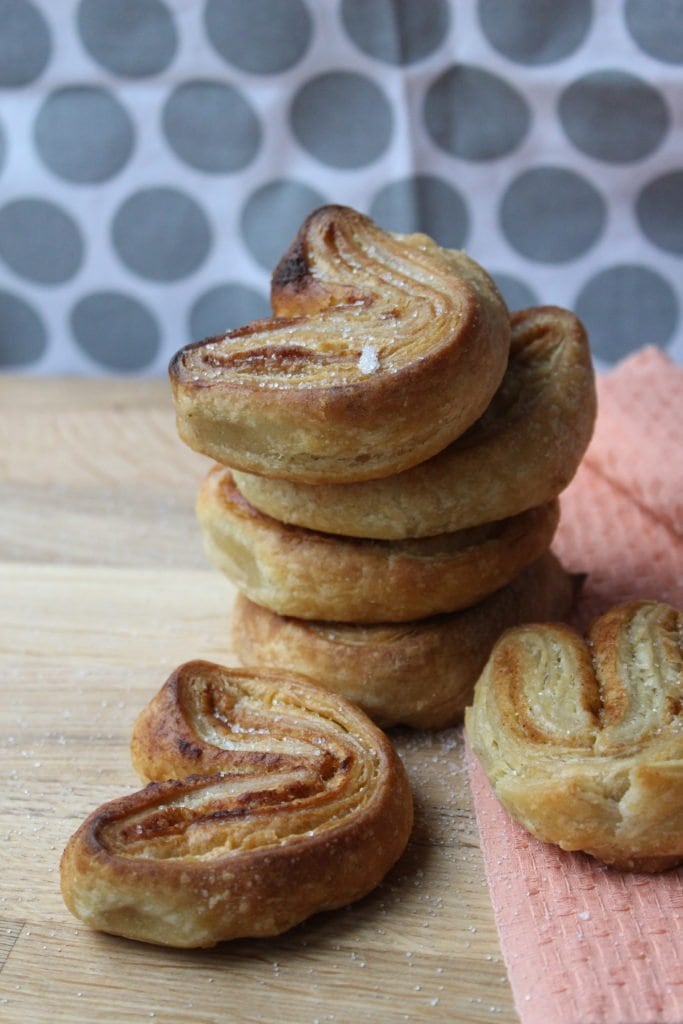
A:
382, 350
583, 740
522, 452
419, 673
278, 799
293, 571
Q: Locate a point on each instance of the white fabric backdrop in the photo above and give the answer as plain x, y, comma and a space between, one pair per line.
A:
157, 156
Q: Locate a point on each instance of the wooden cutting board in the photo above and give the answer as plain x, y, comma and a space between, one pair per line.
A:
103, 591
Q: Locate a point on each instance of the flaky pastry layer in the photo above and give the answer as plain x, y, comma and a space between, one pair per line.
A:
310, 575
419, 673
583, 740
276, 799
522, 452
382, 350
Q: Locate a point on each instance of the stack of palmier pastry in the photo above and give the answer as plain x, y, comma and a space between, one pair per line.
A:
390, 448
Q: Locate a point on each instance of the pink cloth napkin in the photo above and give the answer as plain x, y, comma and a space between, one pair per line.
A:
584, 944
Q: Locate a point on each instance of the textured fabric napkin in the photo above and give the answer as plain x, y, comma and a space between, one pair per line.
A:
584, 944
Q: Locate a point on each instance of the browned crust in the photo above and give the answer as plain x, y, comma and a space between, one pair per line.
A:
285, 397
312, 575
583, 740
521, 453
420, 673
114, 878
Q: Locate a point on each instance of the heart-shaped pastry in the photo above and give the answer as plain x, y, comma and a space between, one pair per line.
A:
582, 740
522, 452
276, 799
383, 349
313, 575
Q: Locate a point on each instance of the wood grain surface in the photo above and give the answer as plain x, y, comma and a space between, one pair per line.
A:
104, 590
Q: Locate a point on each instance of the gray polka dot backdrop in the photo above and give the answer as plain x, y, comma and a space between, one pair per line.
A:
157, 157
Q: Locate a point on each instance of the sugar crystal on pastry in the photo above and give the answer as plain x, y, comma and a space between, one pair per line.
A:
368, 361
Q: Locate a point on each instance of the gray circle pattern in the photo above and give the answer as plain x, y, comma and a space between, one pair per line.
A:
83, 134
40, 241
161, 234
343, 119
131, 38
187, 143
211, 126
397, 32
535, 32
25, 44
657, 28
23, 338
552, 215
517, 294
263, 37
116, 331
614, 116
272, 216
475, 115
423, 203
660, 212
225, 307
625, 304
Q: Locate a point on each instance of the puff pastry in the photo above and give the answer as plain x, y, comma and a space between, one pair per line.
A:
312, 575
420, 673
583, 740
522, 452
383, 349
278, 799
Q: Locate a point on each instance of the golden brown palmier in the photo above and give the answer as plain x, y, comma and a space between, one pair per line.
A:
418, 673
521, 453
383, 349
583, 740
301, 804
312, 575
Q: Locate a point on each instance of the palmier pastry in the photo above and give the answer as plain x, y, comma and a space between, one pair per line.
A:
383, 349
312, 575
522, 452
296, 803
419, 673
583, 741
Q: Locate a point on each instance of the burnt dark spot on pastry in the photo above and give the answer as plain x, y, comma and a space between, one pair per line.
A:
254, 801
330, 235
266, 760
293, 269
178, 367
227, 814
328, 766
164, 822
271, 359
189, 750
